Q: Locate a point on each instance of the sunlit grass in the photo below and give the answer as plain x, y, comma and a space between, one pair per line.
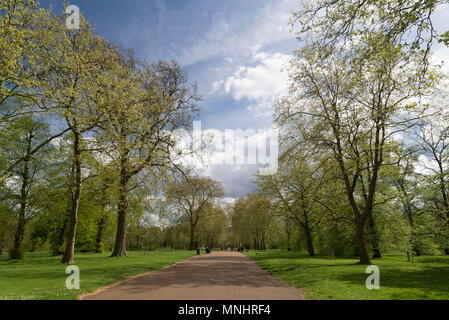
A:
341, 279
42, 277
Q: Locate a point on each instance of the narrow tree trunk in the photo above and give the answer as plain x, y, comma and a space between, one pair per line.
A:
18, 238
409, 213
361, 240
20, 232
70, 245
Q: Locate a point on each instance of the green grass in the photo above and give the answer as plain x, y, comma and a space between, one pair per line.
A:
42, 277
343, 279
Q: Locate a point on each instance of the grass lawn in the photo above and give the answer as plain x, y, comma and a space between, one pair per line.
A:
341, 279
42, 277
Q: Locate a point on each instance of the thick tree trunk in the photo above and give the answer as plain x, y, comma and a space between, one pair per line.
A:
308, 232
309, 240
374, 237
120, 240
361, 240
70, 245
18, 238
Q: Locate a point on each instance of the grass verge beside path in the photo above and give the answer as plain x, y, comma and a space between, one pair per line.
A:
341, 279
42, 277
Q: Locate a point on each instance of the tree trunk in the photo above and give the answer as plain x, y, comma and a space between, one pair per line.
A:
59, 249
18, 238
192, 237
20, 232
361, 240
100, 232
308, 232
309, 240
120, 240
70, 245
374, 237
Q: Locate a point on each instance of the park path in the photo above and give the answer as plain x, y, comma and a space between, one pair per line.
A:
216, 276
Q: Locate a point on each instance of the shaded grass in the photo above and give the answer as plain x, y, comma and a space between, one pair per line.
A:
343, 279
42, 277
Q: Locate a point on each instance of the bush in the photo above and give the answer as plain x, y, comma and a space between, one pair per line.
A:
18, 254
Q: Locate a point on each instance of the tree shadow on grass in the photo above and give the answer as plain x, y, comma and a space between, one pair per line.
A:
432, 279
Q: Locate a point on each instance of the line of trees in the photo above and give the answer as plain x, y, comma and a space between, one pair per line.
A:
364, 132
84, 127
86, 151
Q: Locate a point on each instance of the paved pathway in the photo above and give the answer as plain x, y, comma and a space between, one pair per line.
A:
216, 276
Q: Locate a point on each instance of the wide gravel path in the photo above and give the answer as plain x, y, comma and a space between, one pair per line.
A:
216, 276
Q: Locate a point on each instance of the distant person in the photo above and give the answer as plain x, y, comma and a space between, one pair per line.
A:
207, 250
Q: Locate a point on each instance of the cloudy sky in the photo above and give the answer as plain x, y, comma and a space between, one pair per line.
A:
234, 49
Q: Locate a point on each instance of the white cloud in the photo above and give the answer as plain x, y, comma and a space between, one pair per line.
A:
262, 85
238, 35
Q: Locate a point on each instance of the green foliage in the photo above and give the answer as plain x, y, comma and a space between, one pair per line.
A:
444, 38
252, 222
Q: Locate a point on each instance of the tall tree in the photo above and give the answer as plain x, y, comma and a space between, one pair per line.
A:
149, 102
190, 196
26, 184
77, 65
296, 193
349, 108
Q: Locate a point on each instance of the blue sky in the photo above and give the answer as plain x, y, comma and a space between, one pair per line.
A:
234, 49
211, 39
